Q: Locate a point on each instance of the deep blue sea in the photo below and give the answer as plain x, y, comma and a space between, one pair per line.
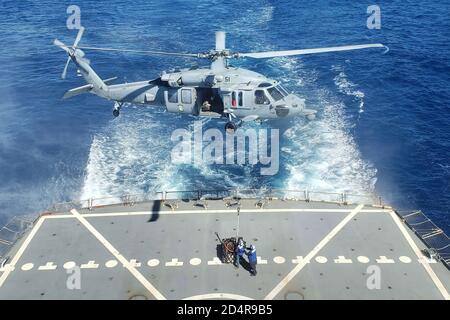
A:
383, 124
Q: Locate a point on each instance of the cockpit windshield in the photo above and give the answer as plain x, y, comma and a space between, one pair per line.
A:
275, 93
282, 90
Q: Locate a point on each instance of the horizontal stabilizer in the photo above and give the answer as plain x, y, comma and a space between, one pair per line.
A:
307, 112
78, 90
249, 118
109, 80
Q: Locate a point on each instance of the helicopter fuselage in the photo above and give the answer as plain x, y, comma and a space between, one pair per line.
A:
213, 93
237, 94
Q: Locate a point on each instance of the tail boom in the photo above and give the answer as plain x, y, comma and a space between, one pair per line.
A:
95, 83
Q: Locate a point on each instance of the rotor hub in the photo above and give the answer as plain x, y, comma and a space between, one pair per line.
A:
215, 54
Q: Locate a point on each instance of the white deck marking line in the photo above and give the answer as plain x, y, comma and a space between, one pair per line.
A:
153, 262
9, 267
90, 265
69, 265
342, 259
174, 263
321, 259
426, 260
48, 266
111, 263
313, 252
140, 213
214, 262
218, 296
405, 259
416, 250
260, 260
279, 260
363, 259
118, 256
135, 263
6, 266
195, 261
298, 259
27, 266
384, 259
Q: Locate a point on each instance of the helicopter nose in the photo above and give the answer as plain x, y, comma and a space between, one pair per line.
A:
295, 103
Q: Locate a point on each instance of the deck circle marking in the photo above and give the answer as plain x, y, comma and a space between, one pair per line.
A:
27, 266
195, 261
69, 265
279, 260
363, 259
153, 262
111, 263
405, 259
218, 296
321, 259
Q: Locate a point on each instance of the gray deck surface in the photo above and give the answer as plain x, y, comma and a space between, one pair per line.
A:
338, 269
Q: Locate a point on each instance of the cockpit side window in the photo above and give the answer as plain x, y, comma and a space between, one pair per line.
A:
260, 97
172, 95
276, 95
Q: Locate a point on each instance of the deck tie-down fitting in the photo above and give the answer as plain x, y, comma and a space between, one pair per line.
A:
171, 204
261, 203
229, 203
201, 203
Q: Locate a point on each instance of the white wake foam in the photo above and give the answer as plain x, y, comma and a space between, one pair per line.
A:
322, 154
132, 155
347, 87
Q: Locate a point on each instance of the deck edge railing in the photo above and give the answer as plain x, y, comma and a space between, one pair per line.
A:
284, 194
434, 238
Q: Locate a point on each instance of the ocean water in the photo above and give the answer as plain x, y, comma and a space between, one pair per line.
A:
383, 124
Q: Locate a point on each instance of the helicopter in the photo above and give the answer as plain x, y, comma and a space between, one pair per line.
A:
220, 91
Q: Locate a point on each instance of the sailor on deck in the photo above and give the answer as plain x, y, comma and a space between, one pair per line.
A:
240, 250
252, 260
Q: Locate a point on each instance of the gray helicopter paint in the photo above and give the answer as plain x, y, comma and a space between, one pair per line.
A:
227, 83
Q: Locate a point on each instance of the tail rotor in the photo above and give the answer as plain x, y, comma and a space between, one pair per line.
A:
70, 50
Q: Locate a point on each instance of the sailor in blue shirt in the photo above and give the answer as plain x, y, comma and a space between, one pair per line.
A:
240, 250
252, 259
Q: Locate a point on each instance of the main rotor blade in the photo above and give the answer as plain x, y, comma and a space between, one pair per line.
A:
220, 40
61, 45
192, 55
79, 35
63, 76
272, 54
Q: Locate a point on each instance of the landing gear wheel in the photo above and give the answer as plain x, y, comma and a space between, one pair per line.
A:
230, 127
116, 113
